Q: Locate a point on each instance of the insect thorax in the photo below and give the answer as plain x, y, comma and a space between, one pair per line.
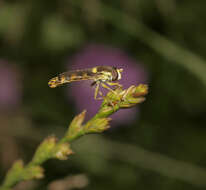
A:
108, 73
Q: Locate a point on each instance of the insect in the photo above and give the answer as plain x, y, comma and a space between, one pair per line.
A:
100, 75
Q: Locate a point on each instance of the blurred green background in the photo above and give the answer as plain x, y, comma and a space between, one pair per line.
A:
164, 148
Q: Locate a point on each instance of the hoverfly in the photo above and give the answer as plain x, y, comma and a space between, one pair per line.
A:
100, 75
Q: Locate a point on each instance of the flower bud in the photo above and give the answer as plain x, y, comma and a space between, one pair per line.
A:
62, 151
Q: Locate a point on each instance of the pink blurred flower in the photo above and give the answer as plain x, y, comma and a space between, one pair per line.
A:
96, 55
10, 87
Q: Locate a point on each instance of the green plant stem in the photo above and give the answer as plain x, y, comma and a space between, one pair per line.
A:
52, 148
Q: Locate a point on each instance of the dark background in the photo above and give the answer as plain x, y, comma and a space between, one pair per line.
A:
164, 148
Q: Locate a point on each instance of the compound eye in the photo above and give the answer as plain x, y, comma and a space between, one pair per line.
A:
114, 75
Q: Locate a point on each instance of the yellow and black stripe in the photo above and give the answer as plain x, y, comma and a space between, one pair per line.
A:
100, 73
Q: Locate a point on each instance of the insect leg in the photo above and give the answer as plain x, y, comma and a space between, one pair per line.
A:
114, 84
97, 91
107, 87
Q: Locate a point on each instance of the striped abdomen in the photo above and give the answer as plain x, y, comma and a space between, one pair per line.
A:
70, 76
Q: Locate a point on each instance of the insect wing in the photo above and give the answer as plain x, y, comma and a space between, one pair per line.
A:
71, 76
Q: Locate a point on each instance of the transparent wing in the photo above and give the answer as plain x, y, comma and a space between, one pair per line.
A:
71, 76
